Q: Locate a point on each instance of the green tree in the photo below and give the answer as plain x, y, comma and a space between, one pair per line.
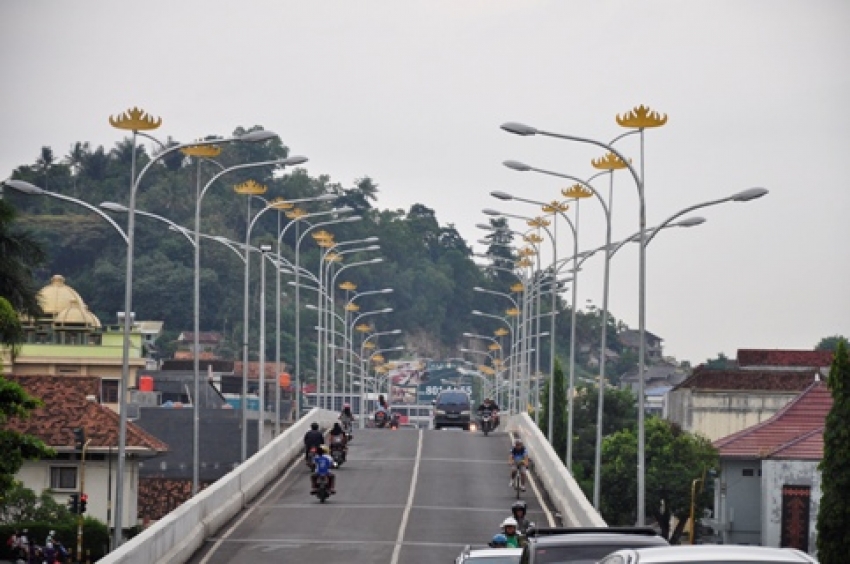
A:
16, 447
834, 513
559, 411
619, 412
722, 362
831, 343
22, 505
674, 459
20, 254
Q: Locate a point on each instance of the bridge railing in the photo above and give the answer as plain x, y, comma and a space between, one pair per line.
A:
564, 492
177, 536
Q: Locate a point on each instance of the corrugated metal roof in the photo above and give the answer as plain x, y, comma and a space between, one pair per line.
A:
796, 431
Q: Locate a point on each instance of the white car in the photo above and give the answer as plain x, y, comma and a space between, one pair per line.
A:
489, 556
708, 553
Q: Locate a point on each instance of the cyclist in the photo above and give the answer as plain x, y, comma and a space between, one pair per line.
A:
519, 463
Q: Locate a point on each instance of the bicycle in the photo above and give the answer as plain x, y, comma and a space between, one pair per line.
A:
516, 480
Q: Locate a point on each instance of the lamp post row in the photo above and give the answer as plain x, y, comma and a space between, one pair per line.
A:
637, 120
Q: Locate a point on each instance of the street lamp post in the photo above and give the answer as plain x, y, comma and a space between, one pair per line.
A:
298, 297
136, 120
645, 119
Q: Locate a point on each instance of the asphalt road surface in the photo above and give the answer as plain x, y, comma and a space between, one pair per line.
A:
408, 496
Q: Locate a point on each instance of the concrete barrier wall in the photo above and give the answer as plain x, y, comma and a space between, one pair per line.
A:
563, 490
176, 537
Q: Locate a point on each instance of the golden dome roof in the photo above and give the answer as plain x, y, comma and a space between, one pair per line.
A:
91, 318
57, 296
74, 314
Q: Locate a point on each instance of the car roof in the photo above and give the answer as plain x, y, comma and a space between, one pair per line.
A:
625, 536
489, 553
482, 552
711, 553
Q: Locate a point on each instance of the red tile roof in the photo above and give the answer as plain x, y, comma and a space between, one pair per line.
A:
794, 432
66, 408
703, 378
798, 358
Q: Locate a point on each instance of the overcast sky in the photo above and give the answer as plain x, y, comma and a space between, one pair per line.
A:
412, 93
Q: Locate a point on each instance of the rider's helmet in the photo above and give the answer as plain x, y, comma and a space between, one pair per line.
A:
324, 449
314, 426
499, 541
519, 506
488, 400
509, 522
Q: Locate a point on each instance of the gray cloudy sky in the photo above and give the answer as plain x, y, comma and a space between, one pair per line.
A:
412, 93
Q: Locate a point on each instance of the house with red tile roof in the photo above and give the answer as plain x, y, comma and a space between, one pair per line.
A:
717, 403
769, 488
72, 403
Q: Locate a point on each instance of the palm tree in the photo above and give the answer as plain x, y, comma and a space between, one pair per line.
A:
45, 162
20, 254
75, 158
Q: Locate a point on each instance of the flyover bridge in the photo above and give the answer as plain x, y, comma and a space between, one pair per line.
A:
403, 496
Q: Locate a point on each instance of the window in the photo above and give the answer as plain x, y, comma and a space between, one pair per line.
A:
109, 391
749, 472
63, 477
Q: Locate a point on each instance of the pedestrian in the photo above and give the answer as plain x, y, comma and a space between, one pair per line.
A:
24, 550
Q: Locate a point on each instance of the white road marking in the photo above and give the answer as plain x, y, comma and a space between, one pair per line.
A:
245, 515
400, 538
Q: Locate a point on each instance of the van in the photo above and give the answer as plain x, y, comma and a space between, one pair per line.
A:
452, 408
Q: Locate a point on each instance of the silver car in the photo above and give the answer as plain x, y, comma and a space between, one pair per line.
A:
708, 553
489, 556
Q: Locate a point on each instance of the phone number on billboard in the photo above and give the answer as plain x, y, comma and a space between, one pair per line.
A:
434, 390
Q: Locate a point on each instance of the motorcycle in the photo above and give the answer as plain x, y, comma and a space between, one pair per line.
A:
380, 419
346, 428
323, 488
395, 421
486, 422
338, 450
311, 464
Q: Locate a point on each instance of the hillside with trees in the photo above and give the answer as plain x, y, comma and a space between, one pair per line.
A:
428, 264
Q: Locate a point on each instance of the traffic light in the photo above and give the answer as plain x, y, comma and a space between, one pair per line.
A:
79, 438
84, 498
73, 503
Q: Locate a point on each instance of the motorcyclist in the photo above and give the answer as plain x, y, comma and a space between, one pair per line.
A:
519, 463
493, 408
346, 418
324, 463
383, 407
509, 528
519, 510
499, 541
338, 434
313, 438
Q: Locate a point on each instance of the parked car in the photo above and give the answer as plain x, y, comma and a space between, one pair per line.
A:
708, 553
489, 556
584, 545
452, 408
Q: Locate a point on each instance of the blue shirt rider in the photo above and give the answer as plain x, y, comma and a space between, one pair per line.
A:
324, 464
518, 461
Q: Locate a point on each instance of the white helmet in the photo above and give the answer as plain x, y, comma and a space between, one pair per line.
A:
509, 522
